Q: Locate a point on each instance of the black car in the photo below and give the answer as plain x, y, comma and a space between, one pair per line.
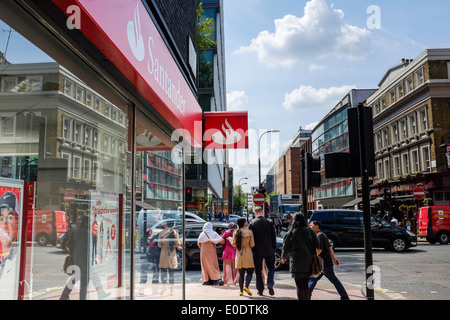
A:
344, 228
192, 232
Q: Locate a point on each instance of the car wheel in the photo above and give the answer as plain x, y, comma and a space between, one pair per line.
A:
398, 245
42, 239
443, 237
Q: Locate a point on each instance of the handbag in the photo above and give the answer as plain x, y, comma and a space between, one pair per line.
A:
317, 263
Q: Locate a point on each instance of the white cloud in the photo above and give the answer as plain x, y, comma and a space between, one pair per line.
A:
312, 125
236, 100
307, 97
320, 33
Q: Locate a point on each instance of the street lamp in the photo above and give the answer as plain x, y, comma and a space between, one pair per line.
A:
259, 162
240, 192
259, 155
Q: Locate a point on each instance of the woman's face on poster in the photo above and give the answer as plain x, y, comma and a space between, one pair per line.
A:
9, 222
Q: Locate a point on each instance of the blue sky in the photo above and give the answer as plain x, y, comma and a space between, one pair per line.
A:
290, 62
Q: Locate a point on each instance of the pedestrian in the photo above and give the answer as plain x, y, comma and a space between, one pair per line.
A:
299, 245
168, 242
278, 224
265, 245
230, 274
325, 251
207, 241
244, 241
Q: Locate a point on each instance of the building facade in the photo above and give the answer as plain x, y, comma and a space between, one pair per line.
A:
209, 178
411, 120
91, 118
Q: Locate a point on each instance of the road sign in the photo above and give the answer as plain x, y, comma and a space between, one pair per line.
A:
258, 199
419, 193
69, 197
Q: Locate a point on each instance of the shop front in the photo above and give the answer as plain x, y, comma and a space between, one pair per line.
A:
94, 115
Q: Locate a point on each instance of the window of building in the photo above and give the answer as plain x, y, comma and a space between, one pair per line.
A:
89, 99
392, 97
405, 164
8, 83
385, 138
412, 124
415, 161
394, 130
397, 166
68, 87
387, 169
400, 90
420, 78
383, 103
409, 84
423, 118
77, 167
79, 94
426, 159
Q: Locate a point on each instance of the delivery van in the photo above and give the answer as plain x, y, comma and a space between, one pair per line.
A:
434, 224
48, 225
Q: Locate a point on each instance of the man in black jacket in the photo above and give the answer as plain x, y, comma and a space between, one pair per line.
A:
265, 245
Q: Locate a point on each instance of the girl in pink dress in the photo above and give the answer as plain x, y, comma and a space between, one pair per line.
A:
230, 274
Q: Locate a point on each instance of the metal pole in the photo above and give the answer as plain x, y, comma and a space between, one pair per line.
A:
303, 182
366, 204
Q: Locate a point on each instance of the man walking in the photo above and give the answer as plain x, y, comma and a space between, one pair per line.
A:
327, 254
264, 249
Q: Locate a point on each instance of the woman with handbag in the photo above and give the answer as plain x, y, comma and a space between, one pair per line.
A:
300, 244
209, 262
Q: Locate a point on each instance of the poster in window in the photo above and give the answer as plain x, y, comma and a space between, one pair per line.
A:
11, 194
104, 239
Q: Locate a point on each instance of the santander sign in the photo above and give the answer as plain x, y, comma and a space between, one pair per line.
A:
126, 35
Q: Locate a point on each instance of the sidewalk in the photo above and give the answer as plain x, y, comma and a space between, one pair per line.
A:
284, 290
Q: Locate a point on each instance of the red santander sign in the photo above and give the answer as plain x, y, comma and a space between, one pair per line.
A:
125, 33
226, 130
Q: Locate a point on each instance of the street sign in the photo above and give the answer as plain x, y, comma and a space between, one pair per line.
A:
69, 197
258, 199
419, 193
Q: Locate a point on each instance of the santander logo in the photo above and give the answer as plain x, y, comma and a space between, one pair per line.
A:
135, 39
231, 136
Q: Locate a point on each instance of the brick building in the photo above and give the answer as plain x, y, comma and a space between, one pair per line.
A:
411, 117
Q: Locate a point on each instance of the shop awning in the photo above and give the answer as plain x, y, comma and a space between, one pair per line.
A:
352, 203
376, 201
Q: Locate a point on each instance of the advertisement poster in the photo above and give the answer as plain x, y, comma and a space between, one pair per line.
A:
11, 194
104, 239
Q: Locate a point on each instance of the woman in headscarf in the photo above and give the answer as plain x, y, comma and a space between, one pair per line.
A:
230, 274
207, 241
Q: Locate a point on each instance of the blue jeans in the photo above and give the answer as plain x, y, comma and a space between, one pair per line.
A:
329, 273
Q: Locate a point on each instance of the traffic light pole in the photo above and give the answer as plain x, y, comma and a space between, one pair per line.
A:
304, 192
362, 114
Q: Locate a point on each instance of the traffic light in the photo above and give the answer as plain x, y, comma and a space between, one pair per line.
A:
188, 194
360, 134
312, 172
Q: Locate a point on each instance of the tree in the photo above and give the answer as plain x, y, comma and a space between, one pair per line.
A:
239, 202
205, 28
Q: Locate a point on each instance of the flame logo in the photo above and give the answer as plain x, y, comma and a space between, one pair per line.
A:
228, 136
134, 34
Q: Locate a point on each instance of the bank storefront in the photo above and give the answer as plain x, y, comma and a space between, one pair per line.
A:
92, 108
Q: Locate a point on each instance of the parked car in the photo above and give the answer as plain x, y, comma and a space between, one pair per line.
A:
344, 228
192, 232
434, 224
